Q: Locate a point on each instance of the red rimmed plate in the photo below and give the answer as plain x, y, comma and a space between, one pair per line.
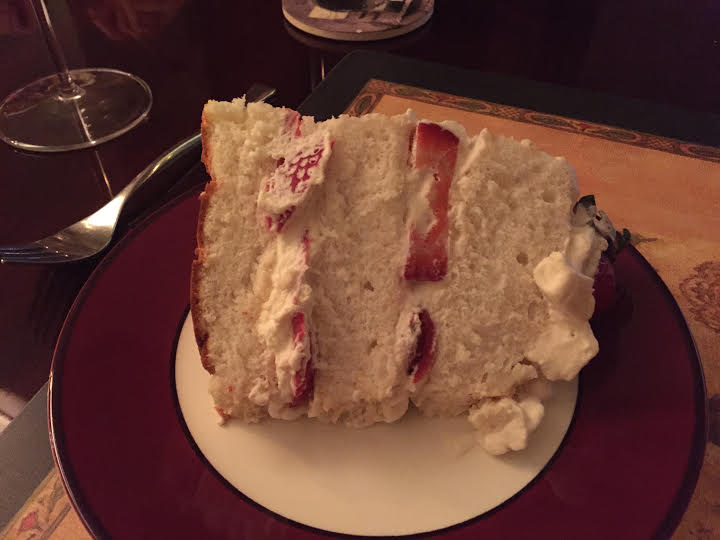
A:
626, 468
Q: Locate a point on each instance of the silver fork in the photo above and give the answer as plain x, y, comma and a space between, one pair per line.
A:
91, 235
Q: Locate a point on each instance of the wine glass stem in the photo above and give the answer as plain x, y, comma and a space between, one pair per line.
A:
68, 87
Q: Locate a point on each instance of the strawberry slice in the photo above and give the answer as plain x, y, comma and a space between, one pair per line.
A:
304, 377
295, 173
293, 122
298, 327
288, 185
604, 287
304, 383
277, 222
435, 149
423, 356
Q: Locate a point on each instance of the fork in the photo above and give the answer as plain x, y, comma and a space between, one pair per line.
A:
91, 235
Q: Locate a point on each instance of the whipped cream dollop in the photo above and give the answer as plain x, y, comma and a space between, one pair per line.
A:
561, 350
504, 424
566, 281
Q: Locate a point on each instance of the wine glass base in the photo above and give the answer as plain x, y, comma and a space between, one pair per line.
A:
43, 117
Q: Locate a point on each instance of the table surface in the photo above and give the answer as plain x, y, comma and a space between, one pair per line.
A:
190, 51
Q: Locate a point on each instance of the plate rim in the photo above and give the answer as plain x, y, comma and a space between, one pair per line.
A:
684, 492
90, 520
94, 525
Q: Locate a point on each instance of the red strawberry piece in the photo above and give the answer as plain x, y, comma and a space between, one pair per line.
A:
427, 261
293, 121
304, 377
298, 171
278, 221
434, 148
411, 144
423, 356
298, 327
604, 287
288, 184
304, 382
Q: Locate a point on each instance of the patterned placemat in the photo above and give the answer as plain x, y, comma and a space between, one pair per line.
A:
47, 514
666, 192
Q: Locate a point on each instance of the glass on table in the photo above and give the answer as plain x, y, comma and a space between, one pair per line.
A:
71, 109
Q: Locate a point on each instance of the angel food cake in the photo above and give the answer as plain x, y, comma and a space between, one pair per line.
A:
350, 267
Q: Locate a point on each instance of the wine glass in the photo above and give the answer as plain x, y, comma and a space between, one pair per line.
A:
71, 109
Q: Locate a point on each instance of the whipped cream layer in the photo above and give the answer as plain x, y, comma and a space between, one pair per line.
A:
285, 322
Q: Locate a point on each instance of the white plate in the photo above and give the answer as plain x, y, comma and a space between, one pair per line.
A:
413, 476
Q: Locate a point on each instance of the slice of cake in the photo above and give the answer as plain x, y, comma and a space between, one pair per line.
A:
347, 268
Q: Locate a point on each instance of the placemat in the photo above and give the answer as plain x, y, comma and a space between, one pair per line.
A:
665, 191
